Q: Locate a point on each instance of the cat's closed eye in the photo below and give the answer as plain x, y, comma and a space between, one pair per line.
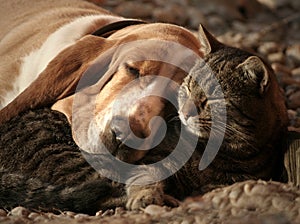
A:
182, 94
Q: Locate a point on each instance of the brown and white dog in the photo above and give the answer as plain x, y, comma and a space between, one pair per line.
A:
47, 47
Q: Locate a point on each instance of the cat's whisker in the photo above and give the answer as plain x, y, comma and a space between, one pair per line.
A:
241, 136
172, 117
222, 127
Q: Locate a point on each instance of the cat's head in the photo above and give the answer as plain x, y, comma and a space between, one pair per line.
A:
242, 83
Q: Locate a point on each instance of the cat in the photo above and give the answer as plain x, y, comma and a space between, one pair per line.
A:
43, 169
234, 94
239, 86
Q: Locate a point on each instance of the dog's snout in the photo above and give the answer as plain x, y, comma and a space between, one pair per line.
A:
136, 122
142, 113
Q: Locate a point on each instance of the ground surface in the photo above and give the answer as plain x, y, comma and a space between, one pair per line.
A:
247, 203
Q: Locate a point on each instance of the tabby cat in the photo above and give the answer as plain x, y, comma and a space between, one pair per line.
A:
233, 94
234, 86
42, 168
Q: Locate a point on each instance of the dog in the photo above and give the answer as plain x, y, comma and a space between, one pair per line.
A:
108, 74
46, 49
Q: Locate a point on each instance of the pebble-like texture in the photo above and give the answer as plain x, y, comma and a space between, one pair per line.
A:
268, 27
246, 202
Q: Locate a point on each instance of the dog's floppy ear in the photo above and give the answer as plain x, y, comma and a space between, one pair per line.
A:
65, 106
91, 82
60, 78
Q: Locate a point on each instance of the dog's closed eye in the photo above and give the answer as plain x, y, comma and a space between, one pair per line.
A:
132, 70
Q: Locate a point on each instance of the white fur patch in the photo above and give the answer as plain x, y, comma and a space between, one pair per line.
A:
36, 61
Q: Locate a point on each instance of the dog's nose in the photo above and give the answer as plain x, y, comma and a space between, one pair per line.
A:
118, 134
120, 128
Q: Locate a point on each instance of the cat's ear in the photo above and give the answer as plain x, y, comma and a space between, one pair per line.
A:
208, 42
256, 71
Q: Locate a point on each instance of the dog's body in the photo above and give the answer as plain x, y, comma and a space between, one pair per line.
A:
30, 38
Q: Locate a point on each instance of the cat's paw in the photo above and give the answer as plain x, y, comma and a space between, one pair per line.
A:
143, 198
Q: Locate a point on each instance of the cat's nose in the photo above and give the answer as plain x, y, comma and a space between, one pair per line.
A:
188, 110
186, 115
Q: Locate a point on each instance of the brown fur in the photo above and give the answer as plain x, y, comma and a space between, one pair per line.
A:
26, 25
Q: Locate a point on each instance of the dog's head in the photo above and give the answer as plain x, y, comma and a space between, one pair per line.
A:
139, 83
111, 88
